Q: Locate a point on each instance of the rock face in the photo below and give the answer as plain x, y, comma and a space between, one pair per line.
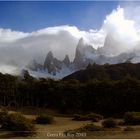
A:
51, 64
66, 61
84, 55
49, 60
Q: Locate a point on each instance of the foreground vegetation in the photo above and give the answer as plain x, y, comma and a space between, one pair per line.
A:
44, 119
96, 101
16, 123
88, 117
104, 96
24, 126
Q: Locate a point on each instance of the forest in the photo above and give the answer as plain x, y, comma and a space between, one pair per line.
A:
106, 96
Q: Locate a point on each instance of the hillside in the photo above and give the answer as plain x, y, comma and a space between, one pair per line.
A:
101, 72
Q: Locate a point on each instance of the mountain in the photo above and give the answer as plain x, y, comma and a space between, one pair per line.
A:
52, 67
51, 64
103, 72
66, 61
85, 54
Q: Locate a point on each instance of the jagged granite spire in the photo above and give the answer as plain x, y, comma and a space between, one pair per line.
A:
78, 53
84, 54
49, 59
52, 64
48, 63
66, 60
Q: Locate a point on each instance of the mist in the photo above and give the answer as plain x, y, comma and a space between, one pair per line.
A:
120, 32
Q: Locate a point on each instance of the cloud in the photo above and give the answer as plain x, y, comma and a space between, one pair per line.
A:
8, 36
119, 33
122, 33
21, 48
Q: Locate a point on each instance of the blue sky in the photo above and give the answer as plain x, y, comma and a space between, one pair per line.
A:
30, 16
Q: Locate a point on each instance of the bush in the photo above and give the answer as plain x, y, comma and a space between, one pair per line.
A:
129, 129
90, 127
95, 117
110, 123
89, 117
132, 118
76, 117
80, 118
121, 123
43, 119
18, 124
3, 115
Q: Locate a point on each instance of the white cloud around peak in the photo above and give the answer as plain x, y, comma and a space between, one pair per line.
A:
120, 28
19, 48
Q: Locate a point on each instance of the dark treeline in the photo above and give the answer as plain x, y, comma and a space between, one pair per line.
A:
106, 96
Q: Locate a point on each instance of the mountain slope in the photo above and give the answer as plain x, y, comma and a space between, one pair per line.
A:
100, 72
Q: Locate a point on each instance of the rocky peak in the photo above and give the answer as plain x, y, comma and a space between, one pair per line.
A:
80, 45
49, 56
66, 60
49, 59
84, 53
52, 64
78, 53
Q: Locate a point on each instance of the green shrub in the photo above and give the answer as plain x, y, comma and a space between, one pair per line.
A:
43, 119
18, 124
132, 118
128, 128
110, 123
